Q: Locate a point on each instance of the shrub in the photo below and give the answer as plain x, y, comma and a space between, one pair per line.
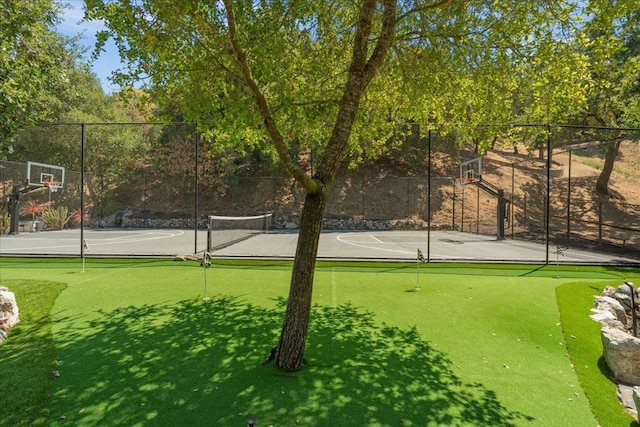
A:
55, 218
76, 215
33, 208
5, 223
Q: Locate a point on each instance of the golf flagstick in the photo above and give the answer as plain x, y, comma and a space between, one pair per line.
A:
206, 263
419, 260
85, 248
559, 251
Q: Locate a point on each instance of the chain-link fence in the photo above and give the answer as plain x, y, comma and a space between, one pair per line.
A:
575, 187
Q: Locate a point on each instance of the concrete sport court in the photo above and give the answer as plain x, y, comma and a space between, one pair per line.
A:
362, 245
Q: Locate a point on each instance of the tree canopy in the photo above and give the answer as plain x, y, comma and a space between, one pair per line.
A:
450, 63
34, 62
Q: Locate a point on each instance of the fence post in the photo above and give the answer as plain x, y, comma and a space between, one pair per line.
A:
82, 166
196, 207
144, 200
512, 207
453, 209
477, 210
101, 196
462, 210
548, 195
569, 201
600, 220
429, 196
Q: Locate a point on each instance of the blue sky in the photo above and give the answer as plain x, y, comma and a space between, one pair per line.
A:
71, 25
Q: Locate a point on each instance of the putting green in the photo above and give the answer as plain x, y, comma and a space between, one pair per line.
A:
138, 345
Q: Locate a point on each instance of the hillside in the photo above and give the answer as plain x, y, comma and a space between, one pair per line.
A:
613, 220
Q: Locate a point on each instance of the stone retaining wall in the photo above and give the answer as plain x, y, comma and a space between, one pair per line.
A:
130, 220
621, 349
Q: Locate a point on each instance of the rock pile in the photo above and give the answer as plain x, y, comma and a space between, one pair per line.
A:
9, 313
614, 310
131, 219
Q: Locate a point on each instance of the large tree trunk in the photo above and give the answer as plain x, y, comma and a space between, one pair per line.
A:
602, 184
290, 350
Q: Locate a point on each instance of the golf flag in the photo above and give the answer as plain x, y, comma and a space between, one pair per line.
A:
206, 260
420, 256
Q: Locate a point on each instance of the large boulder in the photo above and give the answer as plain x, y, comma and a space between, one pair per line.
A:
621, 349
9, 313
622, 353
612, 305
606, 318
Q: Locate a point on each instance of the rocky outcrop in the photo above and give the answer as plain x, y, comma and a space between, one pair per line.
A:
129, 219
9, 313
614, 310
622, 353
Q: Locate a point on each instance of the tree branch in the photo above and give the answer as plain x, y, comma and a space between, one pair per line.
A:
308, 183
384, 41
435, 5
361, 72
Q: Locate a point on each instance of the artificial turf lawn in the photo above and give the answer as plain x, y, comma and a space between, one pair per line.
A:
585, 347
27, 357
475, 346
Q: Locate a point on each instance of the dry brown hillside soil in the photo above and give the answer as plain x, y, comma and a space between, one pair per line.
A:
619, 211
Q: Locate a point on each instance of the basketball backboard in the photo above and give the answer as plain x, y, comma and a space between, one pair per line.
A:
471, 170
43, 175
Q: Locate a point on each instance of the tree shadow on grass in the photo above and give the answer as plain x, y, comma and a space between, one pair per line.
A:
26, 366
27, 356
199, 363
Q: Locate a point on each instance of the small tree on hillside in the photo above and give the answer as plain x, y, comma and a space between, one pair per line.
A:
614, 96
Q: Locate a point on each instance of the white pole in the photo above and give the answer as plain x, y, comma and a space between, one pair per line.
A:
419, 259
206, 263
206, 296
84, 245
559, 251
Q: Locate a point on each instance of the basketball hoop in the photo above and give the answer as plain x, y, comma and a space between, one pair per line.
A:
461, 182
470, 171
52, 186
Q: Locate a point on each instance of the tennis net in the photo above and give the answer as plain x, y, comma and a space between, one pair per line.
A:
224, 231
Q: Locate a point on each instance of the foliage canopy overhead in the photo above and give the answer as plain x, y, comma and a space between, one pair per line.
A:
451, 62
34, 61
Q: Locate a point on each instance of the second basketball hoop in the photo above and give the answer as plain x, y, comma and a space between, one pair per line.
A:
470, 171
